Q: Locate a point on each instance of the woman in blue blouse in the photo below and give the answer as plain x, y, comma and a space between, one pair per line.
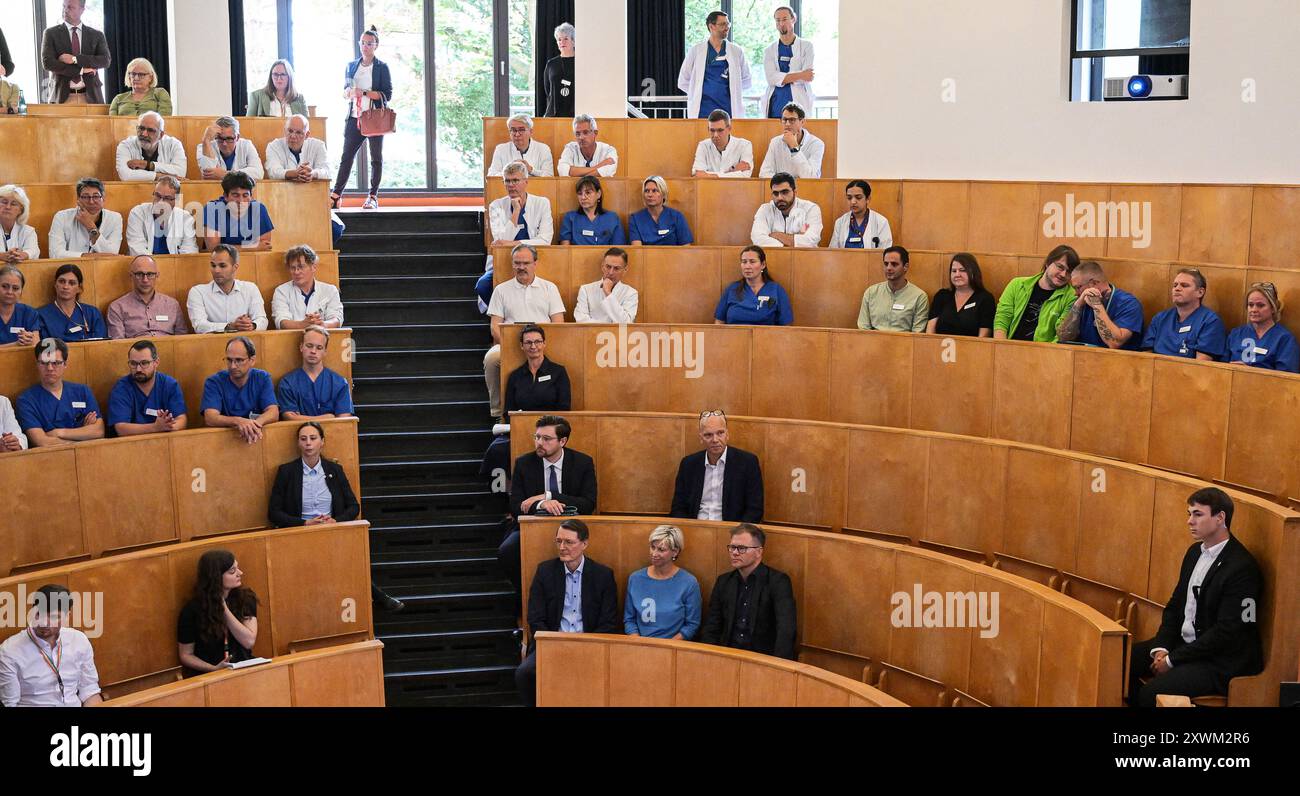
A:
755, 298
20, 325
658, 224
663, 600
66, 317
1263, 342
591, 224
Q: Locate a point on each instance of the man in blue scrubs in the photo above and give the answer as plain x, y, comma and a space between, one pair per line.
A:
235, 218
240, 397
1188, 329
56, 412
145, 401
783, 94
1102, 315
313, 391
716, 94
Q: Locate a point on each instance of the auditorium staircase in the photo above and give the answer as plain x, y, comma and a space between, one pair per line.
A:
408, 284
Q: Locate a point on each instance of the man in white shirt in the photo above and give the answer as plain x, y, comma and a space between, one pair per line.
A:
610, 300
296, 157
47, 664
525, 299
226, 304
787, 220
715, 72
150, 152
788, 66
722, 154
305, 301
222, 151
160, 227
796, 151
521, 148
585, 154
519, 217
87, 229
12, 438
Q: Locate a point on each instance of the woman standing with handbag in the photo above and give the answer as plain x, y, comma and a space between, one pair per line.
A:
369, 86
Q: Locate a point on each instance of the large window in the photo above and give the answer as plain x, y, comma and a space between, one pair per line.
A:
401, 46
20, 22
523, 91
1130, 49
465, 89
261, 44
323, 45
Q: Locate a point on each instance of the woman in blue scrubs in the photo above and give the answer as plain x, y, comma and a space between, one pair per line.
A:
755, 298
66, 317
1263, 342
20, 325
591, 224
658, 224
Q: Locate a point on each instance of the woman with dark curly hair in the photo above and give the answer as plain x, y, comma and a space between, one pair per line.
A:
218, 626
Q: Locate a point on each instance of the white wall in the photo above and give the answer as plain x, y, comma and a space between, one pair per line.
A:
1012, 118
200, 57
601, 66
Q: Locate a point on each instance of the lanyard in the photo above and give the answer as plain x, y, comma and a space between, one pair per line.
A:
9, 235
53, 664
862, 230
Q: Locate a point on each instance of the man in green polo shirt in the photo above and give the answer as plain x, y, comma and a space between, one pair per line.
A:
894, 305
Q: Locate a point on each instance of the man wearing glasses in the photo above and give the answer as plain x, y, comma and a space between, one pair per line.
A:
47, 664
159, 226
222, 151
145, 401
296, 157
145, 312
87, 228
535, 156
569, 594
241, 397
611, 300
56, 412
150, 152
752, 606
719, 482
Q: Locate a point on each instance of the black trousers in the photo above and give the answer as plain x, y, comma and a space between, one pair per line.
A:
526, 680
1185, 679
508, 558
352, 141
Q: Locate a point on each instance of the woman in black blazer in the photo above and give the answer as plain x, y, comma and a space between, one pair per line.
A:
369, 85
289, 494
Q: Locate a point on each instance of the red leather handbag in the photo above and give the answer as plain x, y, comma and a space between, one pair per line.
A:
378, 121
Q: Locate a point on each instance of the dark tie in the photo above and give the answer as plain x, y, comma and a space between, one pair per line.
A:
76, 42
553, 483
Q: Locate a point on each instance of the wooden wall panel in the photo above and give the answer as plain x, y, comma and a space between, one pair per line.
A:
127, 499
964, 508
1004, 669
1046, 530
213, 491
1074, 203
645, 464
937, 215
665, 149
722, 356
871, 378
637, 675
889, 496
774, 393
827, 287
701, 680
1274, 226
952, 386
1121, 502
139, 617
261, 687
1196, 441
1259, 409
1215, 223
667, 270
841, 575
1159, 239
318, 603
1033, 398
347, 679
729, 206
1111, 411
939, 653
1004, 217
41, 523
804, 476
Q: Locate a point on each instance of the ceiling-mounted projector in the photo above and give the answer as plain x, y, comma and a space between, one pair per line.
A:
1143, 87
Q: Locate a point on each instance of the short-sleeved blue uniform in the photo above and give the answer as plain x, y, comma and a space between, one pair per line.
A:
1202, 331
328, 395
606, 230
220, 393
1276, 350
38, 408
86, 323
234, 230
671, 230
127, 404
1124, 309
771, 307
24, 318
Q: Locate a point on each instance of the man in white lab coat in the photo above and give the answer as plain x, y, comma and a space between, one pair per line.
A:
586, 154
715, 73
222, 150
521, 148
787, 220
722, 154
88, 228
796, 151
788, 65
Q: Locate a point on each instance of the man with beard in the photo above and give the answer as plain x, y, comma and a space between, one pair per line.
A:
145, 401
787, 220
150, 152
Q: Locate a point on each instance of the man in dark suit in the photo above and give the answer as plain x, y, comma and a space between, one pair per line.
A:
1208, 633
570, 594
752, 606
548, 481
73, 53
719, 482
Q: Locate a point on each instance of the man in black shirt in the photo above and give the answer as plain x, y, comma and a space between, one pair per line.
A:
752, 607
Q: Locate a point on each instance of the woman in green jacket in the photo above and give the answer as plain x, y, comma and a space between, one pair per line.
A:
277, 97
1031, 306
144, 94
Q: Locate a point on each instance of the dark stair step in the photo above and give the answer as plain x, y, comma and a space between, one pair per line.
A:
413, 542
439, 575
402, 475
416, 361
405, 221
494, 609
468, 264
377, 312
477, 685
473, 440
424, 415
424, 335
423, 286
409, 242
379, 389
427, 508
407, 652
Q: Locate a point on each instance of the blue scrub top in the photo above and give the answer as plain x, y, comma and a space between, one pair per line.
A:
328, 395
856, 238
672, 229
782, 95
220, 393
715, 94
86, 323
1276, 350
127, 404
37, 408
24, 317
1124, 309
606, 230
773, 310
1202, 331
237, 231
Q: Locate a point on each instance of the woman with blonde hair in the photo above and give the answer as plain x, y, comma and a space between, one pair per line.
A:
278, 97
663, 600
1262, 341
145, 95
18, 241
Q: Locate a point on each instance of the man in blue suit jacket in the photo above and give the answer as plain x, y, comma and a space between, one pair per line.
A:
698, 494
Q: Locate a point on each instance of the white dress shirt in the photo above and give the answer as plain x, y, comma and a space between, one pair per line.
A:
9, 422
804, 222
807, 162
877, 228
537, 217
288, 303
538, 156
316, 498
708, 158
171, 160
26, 680
534, 303
595, 307
22, 238
178, 225
711, 498
279, 158
246, 158
68, 239
1208, 556
211, 308
572, 156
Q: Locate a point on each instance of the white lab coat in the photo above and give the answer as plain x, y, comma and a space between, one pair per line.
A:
691, 77
804, 222
279, 159
538, 156
140, 228
800, 90
595, 307
877, 227
807, 162
572, 156
23, 237
171, 160
9, 422
708, 158
69, 239
246, 158
537, 215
